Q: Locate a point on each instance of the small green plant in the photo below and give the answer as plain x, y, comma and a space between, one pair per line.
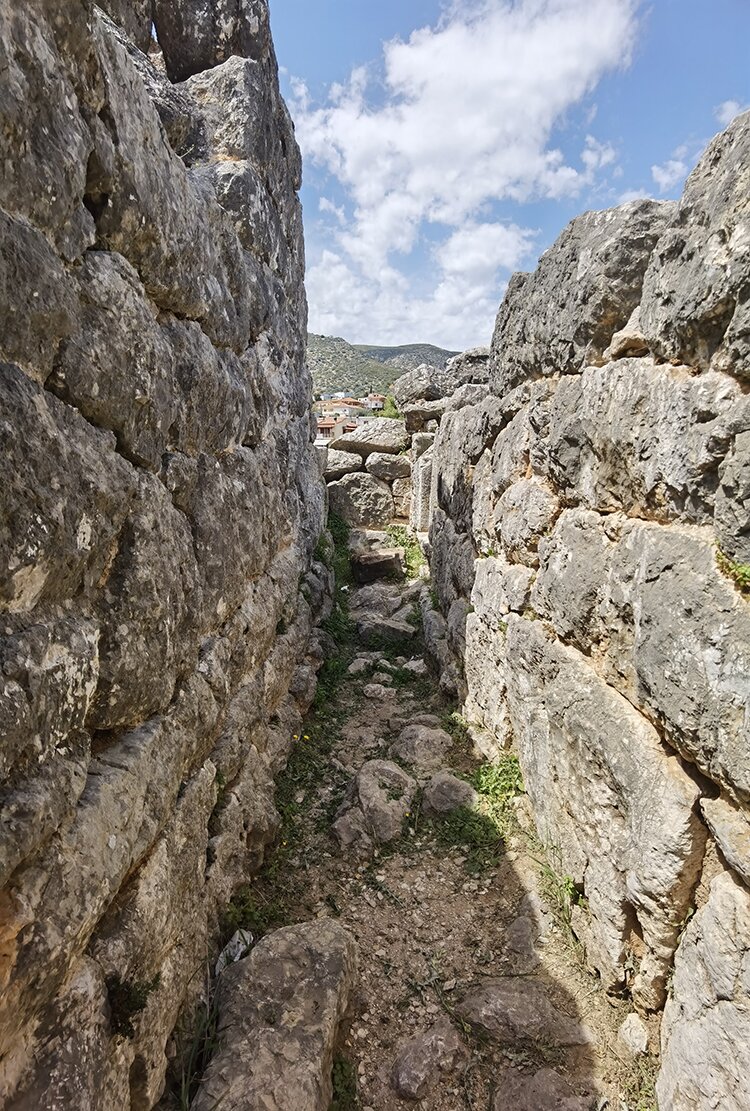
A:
250, 910
390, 409
323, 552
204, 1041
482, 830
127, 998
639, 1090
739, 573
344, 1078
402, 537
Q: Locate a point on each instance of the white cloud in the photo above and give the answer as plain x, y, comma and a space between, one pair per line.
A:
633, 195
324, 205
669, 175
461, 119
728, 109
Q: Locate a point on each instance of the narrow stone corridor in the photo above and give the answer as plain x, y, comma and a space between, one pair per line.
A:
470, 991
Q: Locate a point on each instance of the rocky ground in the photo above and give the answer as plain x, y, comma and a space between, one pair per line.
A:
471, 992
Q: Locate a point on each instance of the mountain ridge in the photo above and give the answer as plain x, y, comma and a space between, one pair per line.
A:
338, 365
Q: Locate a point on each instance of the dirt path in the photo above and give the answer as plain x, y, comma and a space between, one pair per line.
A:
472, 993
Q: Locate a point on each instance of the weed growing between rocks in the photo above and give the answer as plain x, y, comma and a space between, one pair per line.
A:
482, 830
344, 1086
204, 1041
739, 573
402, 537
127, 998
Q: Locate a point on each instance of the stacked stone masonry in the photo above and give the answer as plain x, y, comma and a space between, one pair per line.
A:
161, 504
589, 522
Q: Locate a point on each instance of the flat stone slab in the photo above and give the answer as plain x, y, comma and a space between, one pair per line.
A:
279, 1015
427, 1058
383, 434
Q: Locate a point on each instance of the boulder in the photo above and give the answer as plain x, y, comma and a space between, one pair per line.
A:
695, 308
384, 435
361, 499
340, 463
422, 747
196, 36
402, 494
280, 1010
545, 1090
509, 1009
426, 1059
445, 793
383, 563
376, 804
385, 466
730, 826
633, 1035
564, 315
426, 383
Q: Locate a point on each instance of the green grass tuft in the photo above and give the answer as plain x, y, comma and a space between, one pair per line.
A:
739, 573
344, 1078
127, 998
402, 537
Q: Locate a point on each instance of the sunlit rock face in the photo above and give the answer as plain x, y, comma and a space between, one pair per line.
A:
589, 534
161, 502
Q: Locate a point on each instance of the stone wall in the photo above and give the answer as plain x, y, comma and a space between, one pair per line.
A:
161, 505
589, 518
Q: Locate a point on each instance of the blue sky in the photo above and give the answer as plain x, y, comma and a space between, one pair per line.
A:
447, 144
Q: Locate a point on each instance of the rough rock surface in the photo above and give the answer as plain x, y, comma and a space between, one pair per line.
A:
563, 316
280, 1011
695, 306
588, 527
508, 1008
706, 1027
445, 793
427, 1059
160, 509
545, 1090
362, 500
377, 801
422, 747
339, 463
381, 434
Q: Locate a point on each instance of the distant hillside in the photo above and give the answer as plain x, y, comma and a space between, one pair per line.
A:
337, 365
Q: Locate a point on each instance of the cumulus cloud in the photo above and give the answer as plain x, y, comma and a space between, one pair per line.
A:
727, 110
670, 175
460, 117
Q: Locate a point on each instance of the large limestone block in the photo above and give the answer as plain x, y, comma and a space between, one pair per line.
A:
362, 500
382, 434
117, 369
45, 145
470, 366
695, 307
525, 513
179, 240
196, 35
425, 383
644, 438
386, 466
705, 1054
732, 513
339, 463
616, 808
672, 631
40, 306
65, 495
280, 1013
584, 289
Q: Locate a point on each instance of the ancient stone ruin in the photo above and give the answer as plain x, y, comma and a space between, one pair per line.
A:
284, 812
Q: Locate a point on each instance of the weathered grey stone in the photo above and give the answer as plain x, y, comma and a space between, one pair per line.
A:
279, 1013
730, 826
340, 463
470, 366
646, 439
426, 383
546, 1090
525, 513
384, 563
378, 799
705, 1034
134, 16
629, 342
385, 466
585, 288
509, 1008
195, 36
381, 434
597, 574
402, 494
732, 505
633, 1035
445, 793
362, 500
619, 810
695, 307
422, 747
426, 1059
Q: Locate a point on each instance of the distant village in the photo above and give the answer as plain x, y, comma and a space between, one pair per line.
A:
337, 413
